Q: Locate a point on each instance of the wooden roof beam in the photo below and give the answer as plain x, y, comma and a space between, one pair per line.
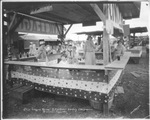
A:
68, 29
56, 18
33, 17
98, 12
86, 10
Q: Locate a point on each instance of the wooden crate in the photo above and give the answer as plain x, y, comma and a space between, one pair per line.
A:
24, 93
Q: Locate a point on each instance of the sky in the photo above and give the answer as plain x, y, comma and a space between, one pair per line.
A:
142, 21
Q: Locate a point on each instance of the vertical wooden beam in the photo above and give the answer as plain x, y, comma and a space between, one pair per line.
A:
105, 108
11, 29
106, 52
105, 39
133, 38
103, 17
105, 46
61, 33
17, 24
12, 22
58, 29
9, 76
63, 37
8, 39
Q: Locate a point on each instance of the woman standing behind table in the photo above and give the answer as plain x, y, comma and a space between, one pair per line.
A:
89, 51
41, 52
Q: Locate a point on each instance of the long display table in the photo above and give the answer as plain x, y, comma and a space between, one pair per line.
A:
82, 81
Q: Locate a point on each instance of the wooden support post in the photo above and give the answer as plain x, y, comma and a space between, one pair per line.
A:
9, 76
106, 76
105, 47
17, 24
106, 54
61, 33
105, 104
11, 23
58, 29
106, 44
10, 32
62, 39
103, 17
105, 39
133, 38
105, 108
7, 38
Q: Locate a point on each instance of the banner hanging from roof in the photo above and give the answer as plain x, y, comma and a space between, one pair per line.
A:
31, 25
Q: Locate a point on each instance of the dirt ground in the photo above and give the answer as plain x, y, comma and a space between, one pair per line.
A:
134, 103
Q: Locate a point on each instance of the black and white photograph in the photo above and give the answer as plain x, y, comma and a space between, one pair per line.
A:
75, 59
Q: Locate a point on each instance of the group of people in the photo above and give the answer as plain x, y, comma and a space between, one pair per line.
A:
117, 50
70, 55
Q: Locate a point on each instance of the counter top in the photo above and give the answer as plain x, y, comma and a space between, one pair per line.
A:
60, 66
119, 64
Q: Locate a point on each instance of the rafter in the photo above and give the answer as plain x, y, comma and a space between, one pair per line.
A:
68, 29
98, 12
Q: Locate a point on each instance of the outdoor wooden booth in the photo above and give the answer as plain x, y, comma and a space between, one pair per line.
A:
134, 31
136, 50
94, 83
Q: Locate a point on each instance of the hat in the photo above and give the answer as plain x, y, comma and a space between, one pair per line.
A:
41, 42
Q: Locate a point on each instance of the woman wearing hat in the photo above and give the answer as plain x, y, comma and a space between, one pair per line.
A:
120, 49
41, 53
89, 50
